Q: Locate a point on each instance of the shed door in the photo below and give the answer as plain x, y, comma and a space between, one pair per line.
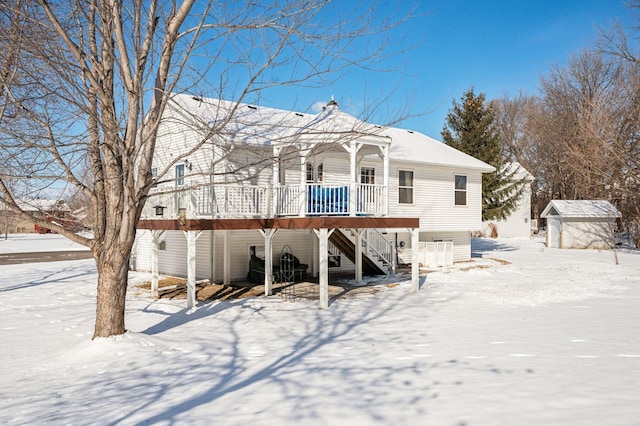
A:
554, 227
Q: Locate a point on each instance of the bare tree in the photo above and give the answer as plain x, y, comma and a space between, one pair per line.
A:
101, 73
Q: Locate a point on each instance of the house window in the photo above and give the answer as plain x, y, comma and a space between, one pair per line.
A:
179, 174
310, 177
314, 177
368, 175
154, 172
405, 187
460, 190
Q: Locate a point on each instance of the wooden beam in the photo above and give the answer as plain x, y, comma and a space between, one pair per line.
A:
329, 222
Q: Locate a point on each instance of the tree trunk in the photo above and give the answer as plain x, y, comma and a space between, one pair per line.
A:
113, 274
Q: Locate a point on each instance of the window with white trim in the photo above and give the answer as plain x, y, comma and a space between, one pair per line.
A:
179, 174
310, 174
405, 187
460, 190
368, 175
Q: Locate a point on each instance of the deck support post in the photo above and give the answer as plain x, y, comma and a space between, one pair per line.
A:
323, 235
358, 253
268, 235
415, 260
226, 279
192, 237
213, 244
155, 235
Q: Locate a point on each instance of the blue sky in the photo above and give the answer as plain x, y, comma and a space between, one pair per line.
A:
498, 47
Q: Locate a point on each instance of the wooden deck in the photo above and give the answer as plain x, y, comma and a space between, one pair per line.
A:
321, 222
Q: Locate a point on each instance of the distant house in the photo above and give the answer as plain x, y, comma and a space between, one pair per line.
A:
519, 223
580, 223
48, 210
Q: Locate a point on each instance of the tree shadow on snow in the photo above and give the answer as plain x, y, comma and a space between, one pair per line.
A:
480, 246
286, 372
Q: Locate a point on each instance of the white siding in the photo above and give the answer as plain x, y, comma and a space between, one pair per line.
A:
518, 224
433, 198
587, 233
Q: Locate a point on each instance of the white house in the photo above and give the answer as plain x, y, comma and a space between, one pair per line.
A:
242, 182
518, 223
580, 223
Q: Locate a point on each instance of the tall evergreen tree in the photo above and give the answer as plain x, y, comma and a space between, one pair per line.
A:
471, 128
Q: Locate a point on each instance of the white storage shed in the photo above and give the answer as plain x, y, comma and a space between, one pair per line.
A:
580, 223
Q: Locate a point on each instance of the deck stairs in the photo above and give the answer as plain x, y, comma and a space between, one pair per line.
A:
378, 253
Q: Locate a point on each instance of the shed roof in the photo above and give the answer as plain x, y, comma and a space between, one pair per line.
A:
580, 208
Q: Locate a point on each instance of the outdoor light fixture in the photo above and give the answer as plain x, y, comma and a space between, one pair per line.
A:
182, 216
159, 210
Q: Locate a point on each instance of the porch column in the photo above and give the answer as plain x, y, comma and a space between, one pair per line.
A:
415, 260
268, 235
303, 183
314, 254
192, 237
385, 178
353, 177
358, 254
323, 260
226, 280
155, 235
213, 256
275, 183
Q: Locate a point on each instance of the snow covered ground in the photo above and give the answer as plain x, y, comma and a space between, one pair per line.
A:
27, 243
553, 337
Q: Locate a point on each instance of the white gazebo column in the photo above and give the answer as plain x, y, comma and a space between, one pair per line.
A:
275, 182
323, 235
303, 183
226, 279
415, 260
155, 235
358, 254
192, 237
353, 177
268, 235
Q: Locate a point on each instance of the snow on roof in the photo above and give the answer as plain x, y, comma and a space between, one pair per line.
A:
408, 145
520, 172
40, 205
240, 123
580, 208
269, 126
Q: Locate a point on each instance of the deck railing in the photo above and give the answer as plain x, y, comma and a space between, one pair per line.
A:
247, 201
